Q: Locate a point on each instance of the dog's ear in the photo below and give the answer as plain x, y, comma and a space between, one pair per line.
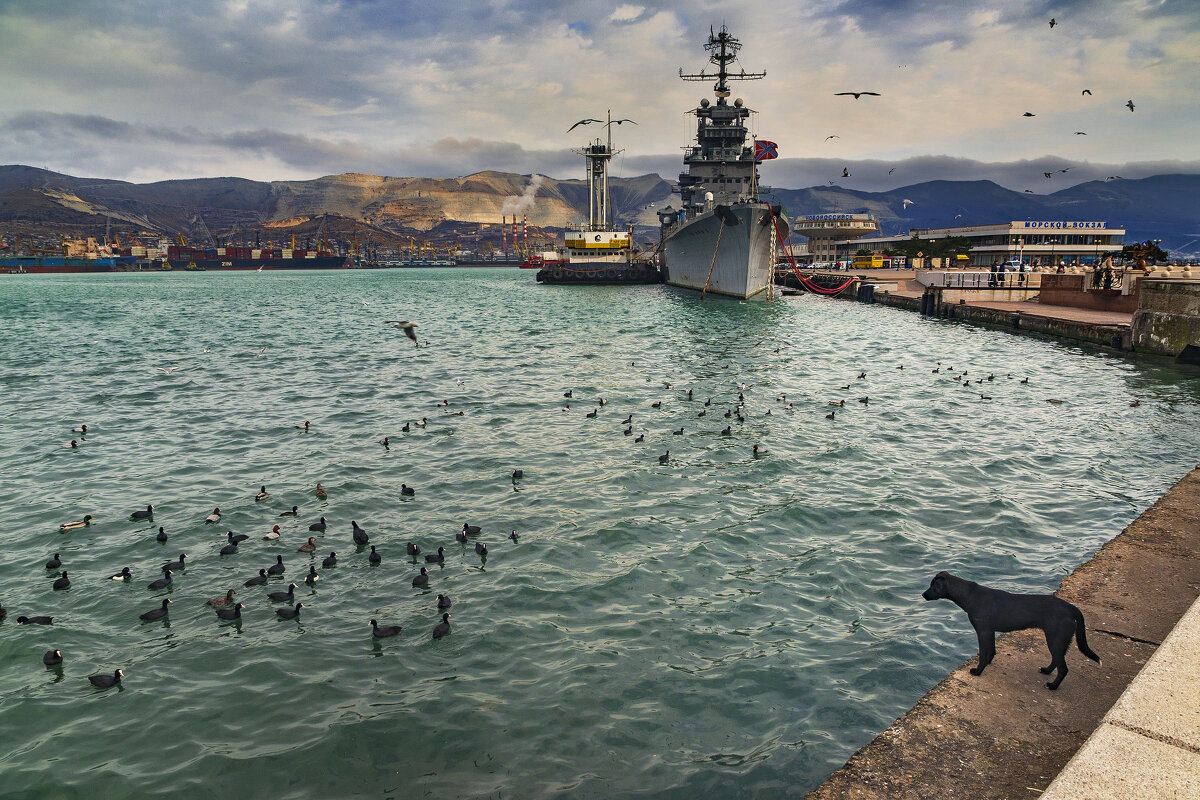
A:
942, 574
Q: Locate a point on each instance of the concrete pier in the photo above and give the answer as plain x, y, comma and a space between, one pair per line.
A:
1004, 735
1160, 316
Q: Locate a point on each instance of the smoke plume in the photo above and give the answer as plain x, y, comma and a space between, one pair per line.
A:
516, 205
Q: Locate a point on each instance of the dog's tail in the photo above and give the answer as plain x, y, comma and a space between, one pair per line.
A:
1081, 635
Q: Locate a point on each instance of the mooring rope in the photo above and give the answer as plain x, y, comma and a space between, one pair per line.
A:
805, 282
714, 259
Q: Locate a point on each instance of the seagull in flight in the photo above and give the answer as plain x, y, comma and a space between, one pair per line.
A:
906, 203
857, 95
1080, 133
890, 171
406, 326
1052, 22
832, 136
1114, 178
1088, 92
600, 121
1028, 114
261, 350
846, 172
1029, 191
166, 370
1064, 169
1048, 174
1129, 105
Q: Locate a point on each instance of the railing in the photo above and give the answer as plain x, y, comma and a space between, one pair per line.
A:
979, 280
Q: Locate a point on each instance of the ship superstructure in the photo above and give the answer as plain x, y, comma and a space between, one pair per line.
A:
724, 238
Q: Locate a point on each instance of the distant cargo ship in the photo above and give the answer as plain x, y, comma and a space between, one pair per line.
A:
76, 255
247, 258
20, 265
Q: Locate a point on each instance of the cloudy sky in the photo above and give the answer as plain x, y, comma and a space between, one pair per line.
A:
146, 90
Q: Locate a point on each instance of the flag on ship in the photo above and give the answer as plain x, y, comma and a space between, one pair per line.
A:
764, 150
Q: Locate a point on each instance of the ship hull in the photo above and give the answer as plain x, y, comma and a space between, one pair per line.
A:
321, 262
37, 265
708, 255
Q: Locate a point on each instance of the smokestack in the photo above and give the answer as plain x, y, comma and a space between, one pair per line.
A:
504, 233
525, 230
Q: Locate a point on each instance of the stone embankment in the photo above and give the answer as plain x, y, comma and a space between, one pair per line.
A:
1159, 315
1004, 735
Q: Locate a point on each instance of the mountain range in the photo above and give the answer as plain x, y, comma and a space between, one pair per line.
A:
37, 203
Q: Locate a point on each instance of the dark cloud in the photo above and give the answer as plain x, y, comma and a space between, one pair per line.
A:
82, 141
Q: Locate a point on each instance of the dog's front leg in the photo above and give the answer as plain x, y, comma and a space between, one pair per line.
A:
987, 649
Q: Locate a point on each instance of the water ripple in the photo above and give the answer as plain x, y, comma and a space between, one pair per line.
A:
720, 625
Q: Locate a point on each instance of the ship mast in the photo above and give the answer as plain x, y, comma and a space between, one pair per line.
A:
723, 50
598, 154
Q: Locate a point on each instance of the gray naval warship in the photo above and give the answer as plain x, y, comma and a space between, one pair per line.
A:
724, 239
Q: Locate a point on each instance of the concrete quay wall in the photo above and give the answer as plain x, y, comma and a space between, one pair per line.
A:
1168, 317
1003, 734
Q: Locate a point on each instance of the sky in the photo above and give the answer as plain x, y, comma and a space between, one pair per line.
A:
144, 90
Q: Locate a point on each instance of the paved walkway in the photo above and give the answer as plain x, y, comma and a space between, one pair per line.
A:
1148, 745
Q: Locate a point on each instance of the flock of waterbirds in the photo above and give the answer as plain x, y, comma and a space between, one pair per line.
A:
225, 607
728, 411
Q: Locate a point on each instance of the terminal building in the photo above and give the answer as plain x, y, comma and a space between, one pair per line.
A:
828, 232
1041, 243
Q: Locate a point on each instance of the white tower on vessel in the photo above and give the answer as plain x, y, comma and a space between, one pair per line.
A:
598, 154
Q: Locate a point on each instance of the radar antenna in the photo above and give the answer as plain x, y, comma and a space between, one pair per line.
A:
723, 50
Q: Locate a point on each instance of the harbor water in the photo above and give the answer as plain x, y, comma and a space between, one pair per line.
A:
717, 626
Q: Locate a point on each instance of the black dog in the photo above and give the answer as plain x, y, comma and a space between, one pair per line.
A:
992, 610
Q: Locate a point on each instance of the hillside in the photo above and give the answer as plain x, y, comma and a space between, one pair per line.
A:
38, 203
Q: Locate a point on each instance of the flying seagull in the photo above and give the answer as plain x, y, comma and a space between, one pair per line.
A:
406, 326
1052, 22
1080, 133
1028, 114
1114, 178
1029, 191
846, 172
832, 136
166, 370
857, 95
1048, 174
602, 122
890, 171
906, 203
1129, 105
1064, 169
1085, 91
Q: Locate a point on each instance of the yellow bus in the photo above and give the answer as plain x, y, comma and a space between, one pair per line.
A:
878, 262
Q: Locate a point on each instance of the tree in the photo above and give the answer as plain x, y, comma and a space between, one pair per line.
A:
862, 251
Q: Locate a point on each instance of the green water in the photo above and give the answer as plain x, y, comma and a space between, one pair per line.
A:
719, 626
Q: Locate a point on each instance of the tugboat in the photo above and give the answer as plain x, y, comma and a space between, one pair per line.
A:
596, 253
724, 239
